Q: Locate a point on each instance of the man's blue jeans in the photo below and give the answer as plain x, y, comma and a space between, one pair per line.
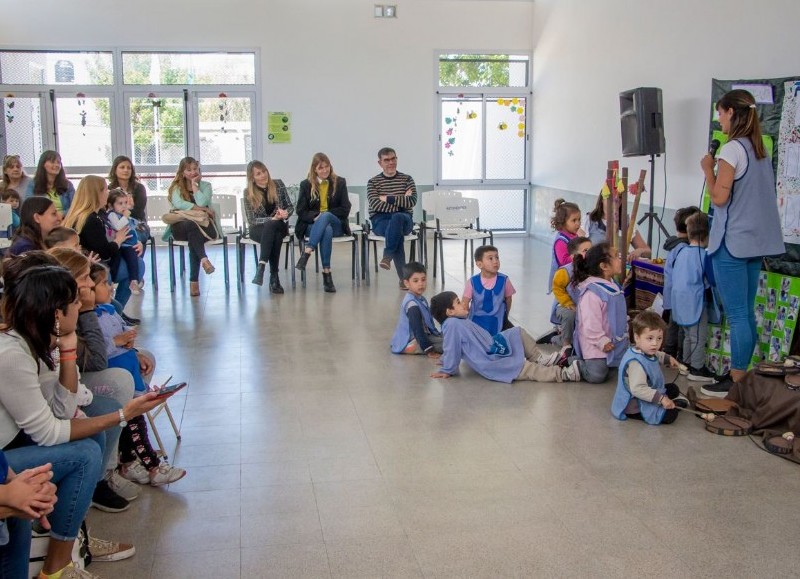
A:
394, 227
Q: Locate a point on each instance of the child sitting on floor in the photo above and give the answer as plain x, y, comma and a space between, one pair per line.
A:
641, 392
138, 461
601, 318
416, 332
566, 295
487, 295
504, 357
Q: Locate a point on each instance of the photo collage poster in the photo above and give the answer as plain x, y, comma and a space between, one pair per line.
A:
776, 308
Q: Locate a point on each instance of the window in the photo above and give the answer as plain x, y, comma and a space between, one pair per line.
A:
482, 133
56, 68
188, 68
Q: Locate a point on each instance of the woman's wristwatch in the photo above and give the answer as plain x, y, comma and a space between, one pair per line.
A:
122, 422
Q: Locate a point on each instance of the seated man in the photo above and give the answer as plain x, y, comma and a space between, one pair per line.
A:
391, 196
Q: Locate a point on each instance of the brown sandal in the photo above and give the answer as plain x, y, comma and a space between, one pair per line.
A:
194, 288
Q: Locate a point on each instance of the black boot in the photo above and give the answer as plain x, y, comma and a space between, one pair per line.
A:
275, 283
327, 283
258, 279
301, 263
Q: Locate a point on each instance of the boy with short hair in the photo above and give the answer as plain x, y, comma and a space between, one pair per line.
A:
566, 296
673, 337
691, 272
416, 331
11, 197
641, 393
504, 357
487, 295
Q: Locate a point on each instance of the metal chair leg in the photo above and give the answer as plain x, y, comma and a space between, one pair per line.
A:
171, 266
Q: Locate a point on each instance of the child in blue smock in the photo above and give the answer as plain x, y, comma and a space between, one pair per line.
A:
487, 295
504, 357
416, 332
641, 391
691, 272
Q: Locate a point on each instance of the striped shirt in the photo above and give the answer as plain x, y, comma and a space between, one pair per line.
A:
394, 187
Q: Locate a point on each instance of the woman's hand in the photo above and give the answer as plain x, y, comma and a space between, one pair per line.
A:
31, 492
93, 257
87, 299
68, 341
121, 235
145, 403
639, 253
707, 163
138, 248
281, 214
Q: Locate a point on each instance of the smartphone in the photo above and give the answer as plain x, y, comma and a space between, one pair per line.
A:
167, 390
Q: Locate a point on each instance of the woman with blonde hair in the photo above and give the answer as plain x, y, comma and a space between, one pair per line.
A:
188, 191
14, 176
323, 208
85, 217
267, 207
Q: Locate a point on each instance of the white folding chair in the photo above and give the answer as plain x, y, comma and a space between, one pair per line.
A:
428, 222
151, 418
244, 239
375, 239
457, 219
6, 221
355, 237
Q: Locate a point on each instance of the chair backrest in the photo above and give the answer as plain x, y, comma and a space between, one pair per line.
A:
456, 212
157, 205
429, 199
6, 221
228, 212
245, 224
355, 207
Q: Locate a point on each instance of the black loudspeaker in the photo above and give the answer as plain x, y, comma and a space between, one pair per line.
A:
642, 122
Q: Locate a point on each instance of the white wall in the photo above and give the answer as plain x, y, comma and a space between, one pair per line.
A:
587, 52
353, 83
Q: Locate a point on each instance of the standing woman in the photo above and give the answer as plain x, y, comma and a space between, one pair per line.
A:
51, 181
123, 175
13, 176
188, 191
84, 217
746, 225
323, 207
267, 207
37, 218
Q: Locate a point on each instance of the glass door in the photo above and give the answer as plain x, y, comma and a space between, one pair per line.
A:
26, 125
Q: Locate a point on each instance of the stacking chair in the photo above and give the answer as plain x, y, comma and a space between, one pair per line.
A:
244, 239
222, 208
157, 205
457, 220
375, 239
6, 221
355, 238
428, 216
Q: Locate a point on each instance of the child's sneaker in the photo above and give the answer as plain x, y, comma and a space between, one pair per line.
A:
701, 375
166, 474
571, 373
564, 355
549, 359
135, 471
681, 401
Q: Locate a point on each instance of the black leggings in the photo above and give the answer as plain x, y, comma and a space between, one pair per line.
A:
135, 443
669, 415
190, 231
271, 234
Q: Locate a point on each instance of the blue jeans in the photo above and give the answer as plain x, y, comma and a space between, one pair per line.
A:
737, 283
123, 293
394, 227
14, 554
77, 466
325, 228
109, 438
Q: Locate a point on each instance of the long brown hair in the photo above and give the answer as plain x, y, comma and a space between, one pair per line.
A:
317, 160
7, 162
113, 181
28, 227
744, 120
254, 195
179, 181
40, 177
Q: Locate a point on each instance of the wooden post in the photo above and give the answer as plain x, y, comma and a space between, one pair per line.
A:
621, 232
639, 186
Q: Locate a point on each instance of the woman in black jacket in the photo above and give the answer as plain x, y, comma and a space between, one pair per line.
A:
323, 207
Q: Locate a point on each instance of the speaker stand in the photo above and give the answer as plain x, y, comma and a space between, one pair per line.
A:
651, 215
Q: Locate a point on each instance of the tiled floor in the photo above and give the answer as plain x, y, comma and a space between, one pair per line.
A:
314, 452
